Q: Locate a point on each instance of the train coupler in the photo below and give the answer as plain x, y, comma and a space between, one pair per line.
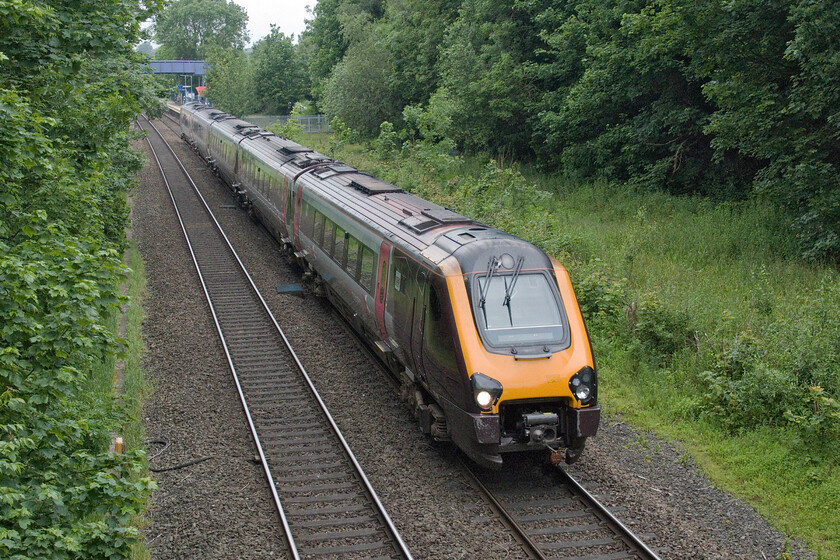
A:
555, 456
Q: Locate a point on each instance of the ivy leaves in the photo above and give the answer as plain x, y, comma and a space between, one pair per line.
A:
69, 87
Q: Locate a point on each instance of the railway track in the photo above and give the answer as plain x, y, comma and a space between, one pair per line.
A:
546, 510
325, 503
552, 515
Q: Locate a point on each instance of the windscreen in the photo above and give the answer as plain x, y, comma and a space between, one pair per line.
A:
525, 315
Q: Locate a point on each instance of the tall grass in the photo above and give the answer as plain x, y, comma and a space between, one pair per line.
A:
135, 385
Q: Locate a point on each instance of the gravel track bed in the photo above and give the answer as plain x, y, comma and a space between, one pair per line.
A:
218, 508
435, 510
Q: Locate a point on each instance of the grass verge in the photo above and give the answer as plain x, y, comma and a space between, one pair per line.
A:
135, 386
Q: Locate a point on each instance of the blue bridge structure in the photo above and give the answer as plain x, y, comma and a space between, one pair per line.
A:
190, 74
181, 67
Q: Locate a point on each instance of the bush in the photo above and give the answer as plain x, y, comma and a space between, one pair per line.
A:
65, 110
386, 143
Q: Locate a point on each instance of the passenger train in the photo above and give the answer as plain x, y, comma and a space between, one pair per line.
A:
481, 328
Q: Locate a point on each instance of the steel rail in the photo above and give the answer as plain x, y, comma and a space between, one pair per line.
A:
266, 469
402, 549
601, 511
519, 534
621, 533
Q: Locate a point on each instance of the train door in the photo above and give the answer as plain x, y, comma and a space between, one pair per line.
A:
439, 337
381, 285
283, 207
400, 304
418, 322
296, 213
237, 163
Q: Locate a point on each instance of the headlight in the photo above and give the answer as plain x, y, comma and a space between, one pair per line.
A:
484, 399
584, 385
486, 391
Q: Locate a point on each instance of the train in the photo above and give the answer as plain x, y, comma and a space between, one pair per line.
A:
482, 329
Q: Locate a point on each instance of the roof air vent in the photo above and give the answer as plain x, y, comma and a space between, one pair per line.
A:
371, 185
419, 224
308, 160
332, 170
446, 216
293, 150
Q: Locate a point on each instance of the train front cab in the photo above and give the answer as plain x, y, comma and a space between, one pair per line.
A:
532, 383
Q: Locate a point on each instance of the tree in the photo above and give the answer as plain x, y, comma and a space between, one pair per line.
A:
146, 48
358, 91
186, 29
630, 107
230, 81
483, 67
326, 39
279, 77
413, 31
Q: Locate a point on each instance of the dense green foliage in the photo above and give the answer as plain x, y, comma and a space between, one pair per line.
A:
729, 99
69, 85
279, 77
230, 81
270, 80
188, 29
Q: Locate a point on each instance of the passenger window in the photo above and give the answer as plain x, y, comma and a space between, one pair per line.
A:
352, 267
329, 239
307, 219
319, 229
366, 269
338, 250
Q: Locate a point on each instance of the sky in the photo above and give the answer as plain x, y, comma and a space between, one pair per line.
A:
288, 15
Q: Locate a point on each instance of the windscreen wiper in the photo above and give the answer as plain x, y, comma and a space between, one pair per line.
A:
509, 287
492, 266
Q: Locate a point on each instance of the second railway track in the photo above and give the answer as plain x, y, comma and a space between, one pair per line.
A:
324, 501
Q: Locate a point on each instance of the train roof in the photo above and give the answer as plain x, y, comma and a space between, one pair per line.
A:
204, 112
403, 218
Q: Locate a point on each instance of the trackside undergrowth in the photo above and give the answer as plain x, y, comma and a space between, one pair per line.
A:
136, 387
